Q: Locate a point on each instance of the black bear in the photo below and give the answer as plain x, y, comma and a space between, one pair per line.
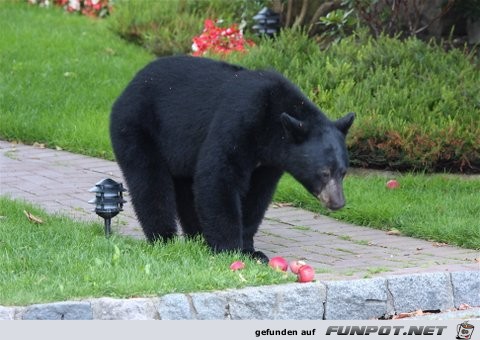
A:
207, 142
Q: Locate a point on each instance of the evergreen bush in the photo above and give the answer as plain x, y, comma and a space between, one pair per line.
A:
418, 107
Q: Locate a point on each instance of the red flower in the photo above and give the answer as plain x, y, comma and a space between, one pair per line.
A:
219, 40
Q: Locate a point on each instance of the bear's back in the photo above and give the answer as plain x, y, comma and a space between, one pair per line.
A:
174, 100
184, 87
185, 80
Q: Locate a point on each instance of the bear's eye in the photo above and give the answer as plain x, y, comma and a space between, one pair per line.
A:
325, 173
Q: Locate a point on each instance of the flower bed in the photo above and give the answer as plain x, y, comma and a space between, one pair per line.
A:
219, 40
91, 8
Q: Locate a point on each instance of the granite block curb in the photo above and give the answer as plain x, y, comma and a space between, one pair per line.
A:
340, 300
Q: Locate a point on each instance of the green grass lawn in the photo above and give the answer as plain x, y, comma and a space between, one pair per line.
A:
441, 208
60, 74
61, 259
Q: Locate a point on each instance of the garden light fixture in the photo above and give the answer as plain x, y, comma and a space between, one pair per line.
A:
108, 200
267, 22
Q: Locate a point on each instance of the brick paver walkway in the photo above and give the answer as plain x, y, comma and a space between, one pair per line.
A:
59, 181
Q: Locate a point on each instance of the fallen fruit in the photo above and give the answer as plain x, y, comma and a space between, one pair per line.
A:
394, 232
237, 265
279, 263
305, 273
393, 184
295, 265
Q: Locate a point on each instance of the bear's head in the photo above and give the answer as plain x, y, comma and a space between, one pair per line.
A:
316, 155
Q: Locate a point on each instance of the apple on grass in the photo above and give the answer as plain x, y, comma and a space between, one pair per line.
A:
278, 263
237, 265
393, 184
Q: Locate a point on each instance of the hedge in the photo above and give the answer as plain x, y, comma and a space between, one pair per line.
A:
418, 107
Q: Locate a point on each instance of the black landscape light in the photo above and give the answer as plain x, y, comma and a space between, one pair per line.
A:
267, 22
108, 200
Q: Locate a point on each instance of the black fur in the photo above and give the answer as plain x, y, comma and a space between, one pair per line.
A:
207, 142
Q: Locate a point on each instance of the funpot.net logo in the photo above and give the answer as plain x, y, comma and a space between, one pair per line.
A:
386, 330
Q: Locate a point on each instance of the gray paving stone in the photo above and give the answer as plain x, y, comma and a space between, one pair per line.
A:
209, 306
428, 291
287, 302
7, 313
466, 288
356, 300
124, 309
69, 310
301, 301
174, 307
252, 303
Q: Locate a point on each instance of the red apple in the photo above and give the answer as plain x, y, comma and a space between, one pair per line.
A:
279, 263
295, 265
393, 184
305, 273
237, 265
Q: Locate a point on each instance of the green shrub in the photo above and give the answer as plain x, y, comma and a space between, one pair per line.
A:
417, 106
167, 27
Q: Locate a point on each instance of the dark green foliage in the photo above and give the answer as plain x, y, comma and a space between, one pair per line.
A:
418, 107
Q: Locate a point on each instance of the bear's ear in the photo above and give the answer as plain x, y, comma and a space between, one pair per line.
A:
344, 123
295, 129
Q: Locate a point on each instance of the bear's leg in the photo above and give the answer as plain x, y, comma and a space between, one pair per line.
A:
218, 206
262, 187
150, 186
186, 207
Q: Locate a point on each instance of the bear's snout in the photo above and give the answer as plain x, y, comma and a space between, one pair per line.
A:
332, 195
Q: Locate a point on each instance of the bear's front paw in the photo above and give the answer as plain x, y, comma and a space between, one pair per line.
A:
257, 255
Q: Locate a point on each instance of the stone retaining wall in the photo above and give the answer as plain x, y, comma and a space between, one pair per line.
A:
354, 299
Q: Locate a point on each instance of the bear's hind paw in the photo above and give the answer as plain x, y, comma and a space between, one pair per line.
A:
257, 255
